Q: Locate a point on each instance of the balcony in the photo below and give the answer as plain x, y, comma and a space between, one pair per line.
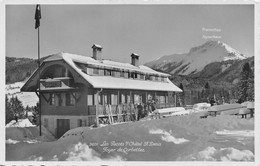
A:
59, 83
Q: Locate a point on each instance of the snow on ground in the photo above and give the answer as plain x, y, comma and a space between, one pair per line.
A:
223, 154
166, 136
20, 123
27, 98
182, 138
25, 131
200, 107
236, 133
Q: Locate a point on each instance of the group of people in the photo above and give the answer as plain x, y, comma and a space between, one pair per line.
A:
129, 112
137, 111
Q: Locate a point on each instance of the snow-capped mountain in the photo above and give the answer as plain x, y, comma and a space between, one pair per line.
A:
196, 59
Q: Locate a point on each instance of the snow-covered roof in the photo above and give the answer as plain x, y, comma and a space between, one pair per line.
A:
103, 63
109, 82
121, 83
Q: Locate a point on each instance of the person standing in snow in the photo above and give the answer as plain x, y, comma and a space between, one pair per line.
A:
16, 117
139, 111
212, 101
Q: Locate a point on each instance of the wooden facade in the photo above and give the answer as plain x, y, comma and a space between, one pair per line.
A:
68, 100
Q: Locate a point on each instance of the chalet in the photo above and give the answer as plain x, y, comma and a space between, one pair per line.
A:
77, 90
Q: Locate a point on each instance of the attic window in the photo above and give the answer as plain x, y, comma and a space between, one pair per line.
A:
95, 71
142, 76
122, 74
133, 75
108, 72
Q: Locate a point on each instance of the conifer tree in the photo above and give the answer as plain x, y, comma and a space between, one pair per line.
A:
9, 115
251, 88
16, 106
245, 86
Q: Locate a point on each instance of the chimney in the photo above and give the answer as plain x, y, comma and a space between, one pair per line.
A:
135, 59
97, 52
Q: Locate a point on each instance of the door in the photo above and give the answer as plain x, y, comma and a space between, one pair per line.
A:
63, 125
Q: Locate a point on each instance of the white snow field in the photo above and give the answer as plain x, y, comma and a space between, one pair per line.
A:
27, 98
176, 138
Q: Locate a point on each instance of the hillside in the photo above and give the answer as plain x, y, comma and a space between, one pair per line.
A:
18, 69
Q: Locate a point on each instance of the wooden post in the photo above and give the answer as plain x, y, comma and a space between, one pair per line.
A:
175, 99
130, 106
118, 102
169, 104
165, 100
155, 96
97, 109
97, 106
146, 97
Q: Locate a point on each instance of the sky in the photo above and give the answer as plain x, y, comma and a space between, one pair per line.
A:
151, 31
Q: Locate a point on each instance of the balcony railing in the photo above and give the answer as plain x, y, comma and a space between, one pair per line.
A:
59, 82
103, 110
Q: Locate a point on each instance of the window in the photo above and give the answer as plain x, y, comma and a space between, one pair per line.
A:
137, 98
45, 122
123, 99
84, 122
105, 98
101, 72
133, 75
116, 73
90, 99
156, 78
52, 99
163, 79
57, 99
79, 122
141, 76
128, 99
162, 99
100, 99
108, 72
148, 77
62, 99
70, 100
122, 74
96, 71
113, 99
125, 74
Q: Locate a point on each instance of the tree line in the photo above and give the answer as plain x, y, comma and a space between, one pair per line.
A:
240, 92
14, 110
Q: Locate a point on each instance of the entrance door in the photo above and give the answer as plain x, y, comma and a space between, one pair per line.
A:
63, 125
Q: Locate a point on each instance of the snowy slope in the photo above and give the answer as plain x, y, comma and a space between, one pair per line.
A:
178, 138
196, 59
27, 98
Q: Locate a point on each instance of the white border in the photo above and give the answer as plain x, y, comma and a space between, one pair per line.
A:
125, 2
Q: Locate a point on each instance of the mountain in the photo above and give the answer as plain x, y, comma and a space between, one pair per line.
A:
196, 59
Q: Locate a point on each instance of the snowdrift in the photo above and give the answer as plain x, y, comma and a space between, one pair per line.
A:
182, 138
27, 134
20, 123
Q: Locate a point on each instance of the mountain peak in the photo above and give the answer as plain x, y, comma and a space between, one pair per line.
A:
216, 45
197, 58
